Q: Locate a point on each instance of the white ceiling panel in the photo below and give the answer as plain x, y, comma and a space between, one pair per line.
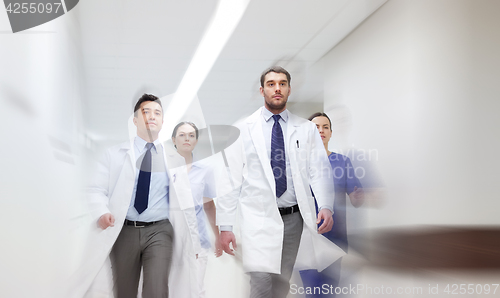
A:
131, 46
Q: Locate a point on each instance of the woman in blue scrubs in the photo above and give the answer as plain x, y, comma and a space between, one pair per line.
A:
345, 182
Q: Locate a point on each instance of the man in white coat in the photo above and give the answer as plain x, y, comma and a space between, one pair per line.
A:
274, 164
135, 199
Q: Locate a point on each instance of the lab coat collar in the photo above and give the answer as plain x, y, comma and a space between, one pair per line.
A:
267, 114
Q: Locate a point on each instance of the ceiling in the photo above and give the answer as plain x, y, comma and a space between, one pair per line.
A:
130, 47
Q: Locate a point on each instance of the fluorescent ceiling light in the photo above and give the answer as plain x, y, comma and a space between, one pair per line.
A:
225, 20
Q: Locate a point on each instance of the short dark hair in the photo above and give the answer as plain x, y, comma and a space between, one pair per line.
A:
276, 69
319, 114
181, 124
146, 97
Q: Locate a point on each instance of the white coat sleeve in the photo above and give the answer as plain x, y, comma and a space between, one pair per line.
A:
320, 172
98, 189
229, 182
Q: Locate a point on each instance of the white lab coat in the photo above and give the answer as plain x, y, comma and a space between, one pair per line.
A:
111, 191
251, 184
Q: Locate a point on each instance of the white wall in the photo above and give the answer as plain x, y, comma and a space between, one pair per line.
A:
420, 81
41, 141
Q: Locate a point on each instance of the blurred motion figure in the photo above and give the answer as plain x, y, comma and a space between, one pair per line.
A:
133, 194
345, 181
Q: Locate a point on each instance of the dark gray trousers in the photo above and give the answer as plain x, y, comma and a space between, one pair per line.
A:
149, 248
268, 285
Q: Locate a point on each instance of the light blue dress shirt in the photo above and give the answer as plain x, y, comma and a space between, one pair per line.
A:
158, 188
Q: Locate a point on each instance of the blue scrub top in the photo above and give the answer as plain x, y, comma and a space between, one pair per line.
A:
345, 180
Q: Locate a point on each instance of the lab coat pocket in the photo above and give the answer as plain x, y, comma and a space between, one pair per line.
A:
252, 213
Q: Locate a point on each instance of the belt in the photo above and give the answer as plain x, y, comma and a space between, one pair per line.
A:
141, 224
289, 210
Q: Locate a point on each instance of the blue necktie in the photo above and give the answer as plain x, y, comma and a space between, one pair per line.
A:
142, 193
278, 160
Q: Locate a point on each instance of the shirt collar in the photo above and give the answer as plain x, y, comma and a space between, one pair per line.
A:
140, 143
267, 114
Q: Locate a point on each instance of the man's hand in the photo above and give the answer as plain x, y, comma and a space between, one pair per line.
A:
357, 197
325, 215
227, 237
106, 220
